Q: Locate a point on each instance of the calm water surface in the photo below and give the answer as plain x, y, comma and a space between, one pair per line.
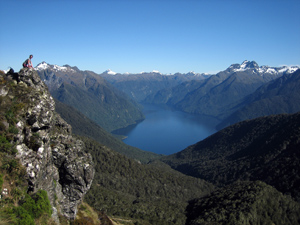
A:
166, 131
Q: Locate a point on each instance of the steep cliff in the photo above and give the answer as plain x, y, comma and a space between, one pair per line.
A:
55, 161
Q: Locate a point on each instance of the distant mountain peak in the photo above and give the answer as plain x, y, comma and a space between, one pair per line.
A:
249, 65
44, 66
191, 72
252, 65
246, 65
155, 71
109, 71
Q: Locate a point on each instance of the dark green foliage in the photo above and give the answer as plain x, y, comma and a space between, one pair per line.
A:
13, 130
37, 204
10, 116
29, 208
23, 217
1, 181
9, 164
6, 146
266, 149
153, 193
244, 203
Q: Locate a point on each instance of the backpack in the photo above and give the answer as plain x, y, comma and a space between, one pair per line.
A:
25, 63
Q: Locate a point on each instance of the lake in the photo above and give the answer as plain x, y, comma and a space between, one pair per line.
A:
166, 131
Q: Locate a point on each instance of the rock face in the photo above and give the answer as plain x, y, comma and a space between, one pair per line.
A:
55, 161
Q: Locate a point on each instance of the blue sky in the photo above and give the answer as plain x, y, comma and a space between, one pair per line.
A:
145, 35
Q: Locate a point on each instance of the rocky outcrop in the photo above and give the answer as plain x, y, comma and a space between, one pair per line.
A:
55, 161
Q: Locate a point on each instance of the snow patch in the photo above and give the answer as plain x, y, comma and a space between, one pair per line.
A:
271, 70
44, 66
110, 72
247, 65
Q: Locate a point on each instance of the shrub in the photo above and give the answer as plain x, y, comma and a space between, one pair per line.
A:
23, 217
13, 130
16, 193
38, 204
42, 203
5, 146
10, 116
10, 165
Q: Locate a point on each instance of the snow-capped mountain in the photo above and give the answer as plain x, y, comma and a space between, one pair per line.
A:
252, 65
246, 66
156, 71
192, 73
110, 72
45, 66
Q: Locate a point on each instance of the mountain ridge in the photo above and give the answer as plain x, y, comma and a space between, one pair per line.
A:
281, 95
265, 148
225, 93
91, 94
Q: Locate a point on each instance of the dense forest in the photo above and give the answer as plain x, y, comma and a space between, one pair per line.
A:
244, 203
153, 194
266, 148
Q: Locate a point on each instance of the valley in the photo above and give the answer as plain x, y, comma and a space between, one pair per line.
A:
237, 153
242, 168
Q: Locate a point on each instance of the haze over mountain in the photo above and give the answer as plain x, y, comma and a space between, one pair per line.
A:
91, 95
228, 96
222, 94
281, 95
139, 86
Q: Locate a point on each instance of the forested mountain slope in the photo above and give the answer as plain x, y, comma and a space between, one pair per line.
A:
281, 95
153, 194
244, 203
83, 126
91, 95
216, 93
266, 149
229, 91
